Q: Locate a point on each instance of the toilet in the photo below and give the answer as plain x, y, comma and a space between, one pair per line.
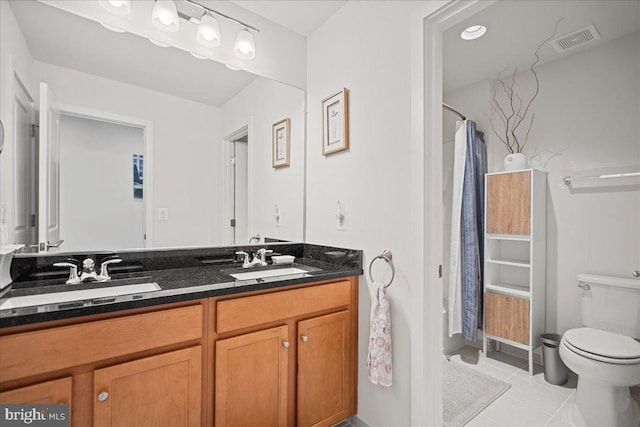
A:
605, 352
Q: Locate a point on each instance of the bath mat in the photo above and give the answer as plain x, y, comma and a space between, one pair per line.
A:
467, 392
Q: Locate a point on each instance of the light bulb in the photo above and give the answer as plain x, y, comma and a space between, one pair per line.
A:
119, 7
208, 31
244, 46
165, 15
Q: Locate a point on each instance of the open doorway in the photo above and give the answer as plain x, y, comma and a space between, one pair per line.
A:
236, 210
240, 184
102, 170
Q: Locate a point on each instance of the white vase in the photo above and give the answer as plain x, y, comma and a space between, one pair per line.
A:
515, 162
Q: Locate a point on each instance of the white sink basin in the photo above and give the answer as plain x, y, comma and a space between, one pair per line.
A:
267, 273
76, 295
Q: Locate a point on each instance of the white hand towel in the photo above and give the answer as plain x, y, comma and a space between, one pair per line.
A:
379, 357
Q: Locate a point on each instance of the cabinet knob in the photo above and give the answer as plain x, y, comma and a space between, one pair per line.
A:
304, 338
103, 396
285, 344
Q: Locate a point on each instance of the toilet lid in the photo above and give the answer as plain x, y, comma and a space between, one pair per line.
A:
603, 343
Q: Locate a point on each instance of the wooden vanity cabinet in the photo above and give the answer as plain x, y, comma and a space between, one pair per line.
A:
251, 379
267, 358
44, 393
324, 370
164, 389
132, 369
290, 359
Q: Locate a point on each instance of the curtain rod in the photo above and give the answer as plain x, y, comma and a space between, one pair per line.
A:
453, 110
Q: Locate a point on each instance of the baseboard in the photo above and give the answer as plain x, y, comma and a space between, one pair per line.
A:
356, 421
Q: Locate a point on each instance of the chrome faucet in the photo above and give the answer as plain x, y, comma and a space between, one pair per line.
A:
88, 273
256, 238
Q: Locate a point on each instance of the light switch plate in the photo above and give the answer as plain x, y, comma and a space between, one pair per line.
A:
163, 214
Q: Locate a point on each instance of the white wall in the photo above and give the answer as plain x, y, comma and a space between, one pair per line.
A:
586, 117
97, 207
14, 57
373, 179
260, 105
186, 143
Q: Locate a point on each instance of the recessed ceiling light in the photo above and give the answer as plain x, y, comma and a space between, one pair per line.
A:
473, 32
113, 28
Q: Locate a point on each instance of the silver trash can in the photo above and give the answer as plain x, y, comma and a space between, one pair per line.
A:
555, 371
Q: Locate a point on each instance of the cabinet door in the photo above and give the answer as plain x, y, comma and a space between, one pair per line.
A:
49, 392
251, 379
324, 385
506, 317
162, 390
509, 203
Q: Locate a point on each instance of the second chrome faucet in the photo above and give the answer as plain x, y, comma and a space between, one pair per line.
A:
259, 258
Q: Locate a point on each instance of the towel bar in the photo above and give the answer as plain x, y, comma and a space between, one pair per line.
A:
388, 258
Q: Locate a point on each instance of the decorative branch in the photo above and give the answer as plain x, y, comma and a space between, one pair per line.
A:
514, 113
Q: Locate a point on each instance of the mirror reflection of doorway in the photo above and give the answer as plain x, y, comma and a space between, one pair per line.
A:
240, 184
101, 202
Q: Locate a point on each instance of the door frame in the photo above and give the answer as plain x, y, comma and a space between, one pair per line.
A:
226, 207
147, 135
426, 70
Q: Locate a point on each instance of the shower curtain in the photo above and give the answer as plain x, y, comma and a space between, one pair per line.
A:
467, 243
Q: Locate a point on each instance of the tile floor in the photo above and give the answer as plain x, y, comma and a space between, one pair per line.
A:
530, 402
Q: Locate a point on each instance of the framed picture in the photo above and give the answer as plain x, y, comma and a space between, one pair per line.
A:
335, 123
281, 143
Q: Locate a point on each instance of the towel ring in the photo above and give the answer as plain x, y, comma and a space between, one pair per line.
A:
388, 258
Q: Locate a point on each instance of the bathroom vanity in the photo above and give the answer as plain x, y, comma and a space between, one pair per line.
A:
275, 351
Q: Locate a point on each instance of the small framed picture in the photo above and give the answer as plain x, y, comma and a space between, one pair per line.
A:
335, 123
281, 143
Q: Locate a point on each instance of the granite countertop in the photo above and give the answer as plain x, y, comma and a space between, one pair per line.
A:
179, 280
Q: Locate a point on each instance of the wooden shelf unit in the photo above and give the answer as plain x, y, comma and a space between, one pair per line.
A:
514, 259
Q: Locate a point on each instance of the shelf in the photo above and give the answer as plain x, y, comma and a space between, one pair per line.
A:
509, 342
510, 262
514, 237
508, 289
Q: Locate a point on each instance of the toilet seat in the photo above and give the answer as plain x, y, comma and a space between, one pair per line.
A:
603, 346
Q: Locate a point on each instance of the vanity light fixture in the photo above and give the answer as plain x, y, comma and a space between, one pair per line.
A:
208, 31
473, 32
244, 46
165, 16
119, 7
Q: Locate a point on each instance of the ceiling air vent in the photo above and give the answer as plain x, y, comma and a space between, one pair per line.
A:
575, 39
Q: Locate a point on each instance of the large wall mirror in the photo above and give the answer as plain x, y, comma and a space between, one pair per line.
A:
147, 146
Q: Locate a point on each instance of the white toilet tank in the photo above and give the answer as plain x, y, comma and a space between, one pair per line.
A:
611, 303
